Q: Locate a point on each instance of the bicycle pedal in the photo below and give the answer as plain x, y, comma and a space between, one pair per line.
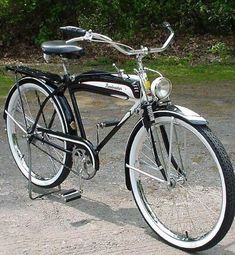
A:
70, 195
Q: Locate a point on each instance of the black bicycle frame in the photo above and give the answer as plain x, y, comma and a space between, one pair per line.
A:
72, 89
73, 86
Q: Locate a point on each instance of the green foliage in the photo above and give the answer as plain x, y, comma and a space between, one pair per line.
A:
221, 50
178, 72
35, 21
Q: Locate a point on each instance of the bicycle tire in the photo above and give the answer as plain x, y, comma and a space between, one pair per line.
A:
195, 210
50, 166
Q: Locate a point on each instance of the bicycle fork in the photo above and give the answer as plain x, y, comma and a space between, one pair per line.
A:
148, 121
164, 166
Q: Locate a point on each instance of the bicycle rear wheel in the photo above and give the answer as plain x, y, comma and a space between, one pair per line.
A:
194, 209
50, 165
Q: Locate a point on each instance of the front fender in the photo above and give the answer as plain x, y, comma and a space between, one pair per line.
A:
182, 113
171, 110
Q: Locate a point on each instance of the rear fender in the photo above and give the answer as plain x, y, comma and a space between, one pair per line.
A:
65, 107
171, 110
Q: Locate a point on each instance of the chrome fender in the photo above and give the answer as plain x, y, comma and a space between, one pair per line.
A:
171, 110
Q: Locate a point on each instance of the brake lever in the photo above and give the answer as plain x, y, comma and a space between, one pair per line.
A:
166, 24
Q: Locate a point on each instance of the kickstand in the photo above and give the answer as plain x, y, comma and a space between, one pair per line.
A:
30, 184
66, 195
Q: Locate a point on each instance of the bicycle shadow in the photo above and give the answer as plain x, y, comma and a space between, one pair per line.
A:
99, 211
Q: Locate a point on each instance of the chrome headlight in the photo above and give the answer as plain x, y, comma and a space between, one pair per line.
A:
161, 87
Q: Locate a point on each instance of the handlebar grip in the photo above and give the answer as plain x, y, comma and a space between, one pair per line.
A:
166, 24
71, 30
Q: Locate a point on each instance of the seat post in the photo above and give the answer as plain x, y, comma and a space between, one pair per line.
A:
64, 63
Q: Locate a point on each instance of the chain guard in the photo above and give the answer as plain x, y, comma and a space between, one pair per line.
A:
85, 160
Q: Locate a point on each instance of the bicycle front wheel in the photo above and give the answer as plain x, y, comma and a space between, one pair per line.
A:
185, 189
50, 164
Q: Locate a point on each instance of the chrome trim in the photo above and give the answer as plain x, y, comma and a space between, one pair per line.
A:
144, 173
125, 49
10, 116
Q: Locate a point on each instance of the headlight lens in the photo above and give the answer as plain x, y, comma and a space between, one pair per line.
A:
161, 87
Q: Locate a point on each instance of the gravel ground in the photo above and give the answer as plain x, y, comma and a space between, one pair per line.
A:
105, 220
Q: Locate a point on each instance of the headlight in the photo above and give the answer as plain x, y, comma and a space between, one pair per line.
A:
161, 87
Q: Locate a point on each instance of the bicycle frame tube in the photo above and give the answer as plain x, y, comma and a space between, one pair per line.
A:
57, 91
43, 104
78, 118
106, 138
118, 126
77, 113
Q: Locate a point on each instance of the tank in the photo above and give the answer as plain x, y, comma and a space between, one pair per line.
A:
110, 84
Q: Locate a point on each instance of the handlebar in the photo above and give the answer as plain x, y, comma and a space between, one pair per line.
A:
167, 42
71, 30
83, 35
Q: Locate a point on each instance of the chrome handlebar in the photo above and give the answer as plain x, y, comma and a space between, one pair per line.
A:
84, 35
167, 42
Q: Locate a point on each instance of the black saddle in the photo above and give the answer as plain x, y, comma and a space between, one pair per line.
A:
62, 49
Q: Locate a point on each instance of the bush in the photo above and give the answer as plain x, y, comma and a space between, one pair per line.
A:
37, 20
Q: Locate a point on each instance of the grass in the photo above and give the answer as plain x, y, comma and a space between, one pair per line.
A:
180, 72
199, 73
6, 82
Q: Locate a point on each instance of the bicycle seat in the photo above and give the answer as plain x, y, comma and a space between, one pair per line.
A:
60, 47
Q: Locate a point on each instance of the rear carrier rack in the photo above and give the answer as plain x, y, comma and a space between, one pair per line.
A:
49, 77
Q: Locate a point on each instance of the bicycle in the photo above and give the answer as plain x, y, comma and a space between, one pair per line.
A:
179, 173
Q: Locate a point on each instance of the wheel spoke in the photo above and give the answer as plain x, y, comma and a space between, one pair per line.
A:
50, 161
16, 122
188, 209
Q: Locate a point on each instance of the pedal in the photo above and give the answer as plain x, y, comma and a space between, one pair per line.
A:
70, 195
107, 123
